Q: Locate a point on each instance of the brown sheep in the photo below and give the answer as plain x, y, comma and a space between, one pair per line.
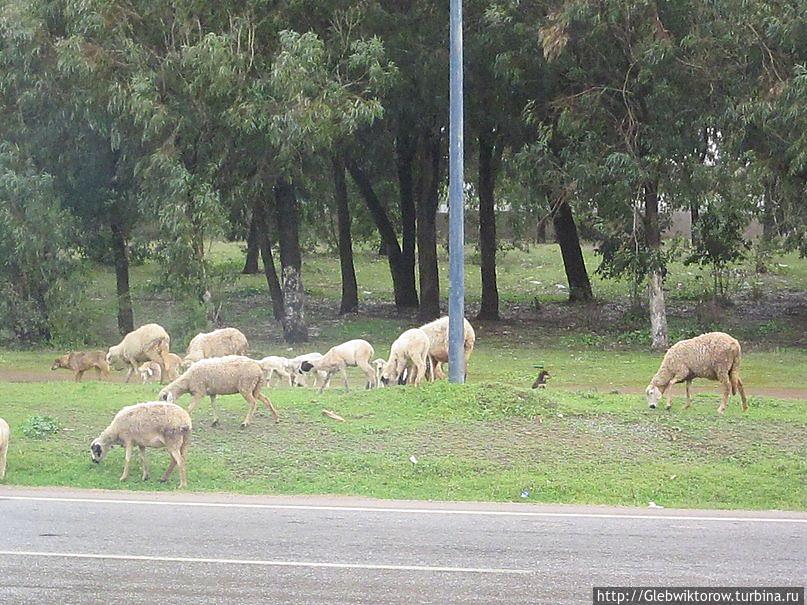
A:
81, 361
714, 355
147, 343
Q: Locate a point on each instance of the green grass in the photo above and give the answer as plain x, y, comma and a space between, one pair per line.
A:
483, 441
588, 438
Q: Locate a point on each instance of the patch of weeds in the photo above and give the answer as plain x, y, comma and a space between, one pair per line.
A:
39, 427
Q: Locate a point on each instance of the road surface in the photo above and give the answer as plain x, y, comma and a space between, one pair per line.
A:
59, 546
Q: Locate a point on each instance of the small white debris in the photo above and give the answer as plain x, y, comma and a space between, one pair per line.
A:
560, 286
412, 459
535, 281
652, 504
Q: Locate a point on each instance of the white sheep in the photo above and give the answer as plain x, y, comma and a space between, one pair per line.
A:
150, 372
148, 343
714, 355
151, 424
437, 331
410, 353
5, 437
321, 378
274, 364
218, 343
378, 366
351, 353
221, 376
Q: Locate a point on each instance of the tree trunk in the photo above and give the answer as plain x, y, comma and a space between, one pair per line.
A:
350, 290
488, 168
294, 326
253, 249
658, 312
404, 289
265, 247
121, 255
573, 263
428, 271
406, 148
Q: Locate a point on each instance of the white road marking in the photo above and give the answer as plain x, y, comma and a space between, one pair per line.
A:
413, 511
310, 564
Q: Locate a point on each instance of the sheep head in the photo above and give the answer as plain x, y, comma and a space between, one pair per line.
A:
99, 449
306, 366
653, 394
113, 355
167, 394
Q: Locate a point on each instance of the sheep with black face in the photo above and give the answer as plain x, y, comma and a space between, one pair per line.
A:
410, 353
356, 352
152, 424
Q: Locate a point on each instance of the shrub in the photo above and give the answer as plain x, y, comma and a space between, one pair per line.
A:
39, 427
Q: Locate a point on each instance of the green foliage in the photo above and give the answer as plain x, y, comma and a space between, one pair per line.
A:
719, 242
39, 427
37, 269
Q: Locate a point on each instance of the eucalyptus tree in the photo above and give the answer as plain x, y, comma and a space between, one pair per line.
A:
638, 93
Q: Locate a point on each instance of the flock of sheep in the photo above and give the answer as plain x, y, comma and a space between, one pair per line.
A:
216, 363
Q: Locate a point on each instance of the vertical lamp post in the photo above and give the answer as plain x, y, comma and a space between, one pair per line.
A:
456, 236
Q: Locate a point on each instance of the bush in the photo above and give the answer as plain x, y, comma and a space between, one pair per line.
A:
39, 427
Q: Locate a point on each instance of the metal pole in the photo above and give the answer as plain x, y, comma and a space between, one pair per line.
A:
456, 236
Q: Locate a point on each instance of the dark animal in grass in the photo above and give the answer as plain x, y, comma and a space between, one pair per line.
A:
540, 382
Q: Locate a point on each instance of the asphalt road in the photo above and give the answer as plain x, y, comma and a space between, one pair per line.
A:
60, 546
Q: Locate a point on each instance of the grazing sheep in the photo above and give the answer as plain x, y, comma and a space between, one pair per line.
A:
150, 372
81, 361
409, 352
221, 376
714, 355
540, 382
351, 353
321, 379
5, 437
148, 343
151, 424
437, 331
276, 365
218, 343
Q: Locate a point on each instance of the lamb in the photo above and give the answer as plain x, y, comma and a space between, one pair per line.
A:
218, 343
437, 331
378, 365
714, 355
148, 343
409, 352
323, 379
282, 366
81, 361
150, 372
221, 376
150, 424
5, 437
173, 366
351, 353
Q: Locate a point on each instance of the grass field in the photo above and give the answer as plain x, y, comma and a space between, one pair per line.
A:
588, 438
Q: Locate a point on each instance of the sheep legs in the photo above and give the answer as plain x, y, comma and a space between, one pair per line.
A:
369, 372
737, 385
131, 371
3, 454
689, 396
726, 383
126, 460
177, 459
215, 410
268, 404
144, 463
80, 375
